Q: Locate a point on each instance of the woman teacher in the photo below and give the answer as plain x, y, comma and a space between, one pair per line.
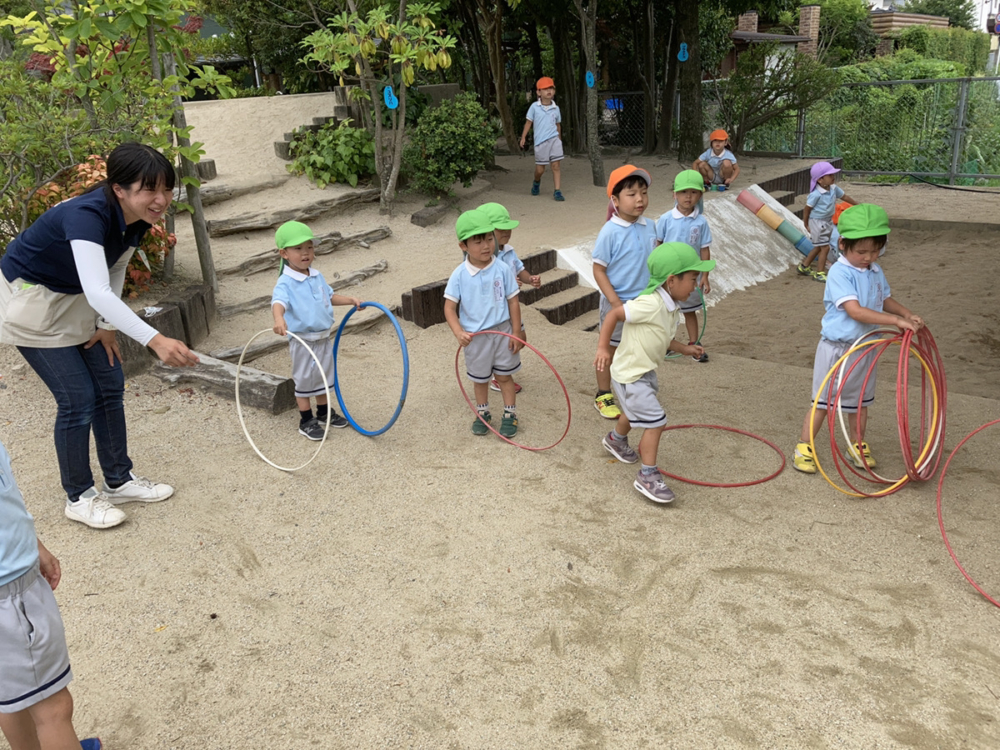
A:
60, 304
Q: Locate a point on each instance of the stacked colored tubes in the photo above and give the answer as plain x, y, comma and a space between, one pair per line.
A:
782, 226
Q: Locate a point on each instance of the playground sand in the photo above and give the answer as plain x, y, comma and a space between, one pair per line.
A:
431, 589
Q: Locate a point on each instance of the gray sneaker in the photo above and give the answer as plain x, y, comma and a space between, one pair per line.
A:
653, 487
313, 429
94, 510
620, 449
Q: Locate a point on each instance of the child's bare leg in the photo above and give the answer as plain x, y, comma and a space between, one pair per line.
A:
321, 400
814, 420
507, 390
726, 169
623, 426
555, 174
824, 250
53, 718
19, 729
604, 376
482, 392
811, 257
707, 173
691, 323
303, 404
539, 171
856, 421
649, 445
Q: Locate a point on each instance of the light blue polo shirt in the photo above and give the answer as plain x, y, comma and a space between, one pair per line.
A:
845, 282
692, 230
18, 543
306, 300
823, 202
715, 162
481, 294
508, 257
623, 250
544, 121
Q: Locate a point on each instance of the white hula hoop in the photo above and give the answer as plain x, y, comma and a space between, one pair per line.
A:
239, 407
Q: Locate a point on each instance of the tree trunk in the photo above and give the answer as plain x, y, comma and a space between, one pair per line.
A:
568, 99
664, 140
646, 62
535, 48
492, 23
588, 22
475, 52
691, 129
154, 60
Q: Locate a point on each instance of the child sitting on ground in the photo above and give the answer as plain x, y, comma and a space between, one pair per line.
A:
547, 120
650, 321
857, 301
487, 292
620, 253
36, 709
503, 226
302, 302
685, 223
818, 216
717, 165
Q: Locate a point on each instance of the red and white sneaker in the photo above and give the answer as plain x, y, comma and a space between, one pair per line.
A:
495, 386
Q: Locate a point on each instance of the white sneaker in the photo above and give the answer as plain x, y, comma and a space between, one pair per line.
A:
94, 510
138, 490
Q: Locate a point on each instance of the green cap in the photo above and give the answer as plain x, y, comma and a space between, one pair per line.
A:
471, 223
863, 220
673, 259
498, 215
292, 233
689, 179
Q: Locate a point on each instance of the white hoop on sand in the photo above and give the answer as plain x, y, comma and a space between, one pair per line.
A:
239, 407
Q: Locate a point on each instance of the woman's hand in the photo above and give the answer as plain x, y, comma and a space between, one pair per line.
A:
108, 341
173, 352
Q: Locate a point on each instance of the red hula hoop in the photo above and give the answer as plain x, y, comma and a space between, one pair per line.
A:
765, 441
465, 395
940, 515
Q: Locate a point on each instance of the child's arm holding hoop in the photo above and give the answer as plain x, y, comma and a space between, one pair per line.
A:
895, 315
278, 311
451, 316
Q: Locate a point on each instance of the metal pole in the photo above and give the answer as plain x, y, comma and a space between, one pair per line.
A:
800, 134
956, 149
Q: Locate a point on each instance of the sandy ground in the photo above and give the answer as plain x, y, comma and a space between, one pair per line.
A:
428, 589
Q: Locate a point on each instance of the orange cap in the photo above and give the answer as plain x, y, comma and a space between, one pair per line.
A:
718, 135
626, 171
545, 83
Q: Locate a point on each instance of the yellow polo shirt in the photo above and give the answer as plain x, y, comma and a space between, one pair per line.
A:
650, 323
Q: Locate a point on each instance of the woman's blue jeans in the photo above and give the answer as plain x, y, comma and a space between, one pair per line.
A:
89, 393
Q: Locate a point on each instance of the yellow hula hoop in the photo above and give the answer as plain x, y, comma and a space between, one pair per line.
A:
931, 436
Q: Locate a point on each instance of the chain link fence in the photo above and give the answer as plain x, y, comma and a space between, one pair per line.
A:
932, 128
621, 122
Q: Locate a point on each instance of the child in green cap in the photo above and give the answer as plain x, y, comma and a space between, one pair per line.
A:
647, 335
302, 302
487, 292
857, 301
685, 223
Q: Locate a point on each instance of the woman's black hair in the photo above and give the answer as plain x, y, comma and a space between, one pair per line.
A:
132, 162
629, 182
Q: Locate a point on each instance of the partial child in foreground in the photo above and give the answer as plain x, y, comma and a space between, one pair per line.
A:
685, 223
544, 115
302, 302
36, 709
487, 292
857, 301
619, 261
717, 165
650, 321
503, 227
818, 216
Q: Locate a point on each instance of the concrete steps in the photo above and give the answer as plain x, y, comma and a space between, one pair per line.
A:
569, 304
553, 281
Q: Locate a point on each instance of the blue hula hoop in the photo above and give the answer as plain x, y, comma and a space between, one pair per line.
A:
406, 370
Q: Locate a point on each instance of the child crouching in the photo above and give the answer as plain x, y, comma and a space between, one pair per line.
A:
650, 321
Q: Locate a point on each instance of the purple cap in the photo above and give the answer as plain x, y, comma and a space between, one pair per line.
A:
820, 169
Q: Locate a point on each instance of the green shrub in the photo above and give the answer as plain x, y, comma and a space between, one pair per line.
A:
333, 154
451, 143
970, 49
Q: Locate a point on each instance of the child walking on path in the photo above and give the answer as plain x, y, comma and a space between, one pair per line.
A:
818, 216
717, 165
503, 228
650, 321
857, 301
685, 223
302, 302
620, 253
545, 116
36, 709
487, 292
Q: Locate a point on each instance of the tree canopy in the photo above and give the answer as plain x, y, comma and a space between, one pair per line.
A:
958, 12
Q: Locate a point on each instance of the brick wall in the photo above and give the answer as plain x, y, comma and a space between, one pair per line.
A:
809, 26
747, 21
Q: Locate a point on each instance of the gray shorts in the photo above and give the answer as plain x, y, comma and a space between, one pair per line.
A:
548, 151
638, 401
827, 354
616, 335
307, 377
692, 303
33, 642
820, 231
488, 355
